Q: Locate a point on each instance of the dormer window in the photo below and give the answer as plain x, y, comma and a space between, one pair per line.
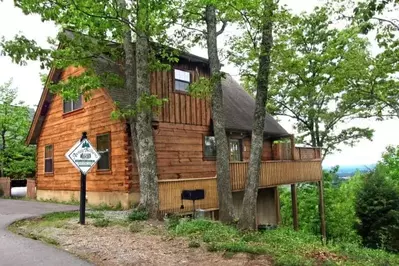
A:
72, 105
182, 80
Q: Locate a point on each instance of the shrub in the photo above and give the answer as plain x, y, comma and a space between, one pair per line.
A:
1, 192
172, 220
135, 227
101, 222
377, 206
138, 215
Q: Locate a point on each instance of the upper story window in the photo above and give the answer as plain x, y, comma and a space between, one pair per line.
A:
182, 80
48, 159
72, 105
103, 148
209, 147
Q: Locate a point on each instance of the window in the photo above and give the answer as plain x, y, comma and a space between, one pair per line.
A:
182, 80
72, 105
48, 159
235, 150
103, 148
209, 147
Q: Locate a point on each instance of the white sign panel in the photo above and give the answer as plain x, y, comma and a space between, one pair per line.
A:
83, 156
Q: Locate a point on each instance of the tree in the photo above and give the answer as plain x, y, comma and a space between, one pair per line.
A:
377, 206
389, 164
316, 71
247, 219
339, 199
98, 28
377, 19
16, 160
208, 13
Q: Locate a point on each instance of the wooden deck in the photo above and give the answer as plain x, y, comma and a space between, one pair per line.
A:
273, 173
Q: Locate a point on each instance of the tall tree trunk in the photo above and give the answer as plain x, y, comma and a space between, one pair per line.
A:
226, 208
247, 219
130, 86
146, 147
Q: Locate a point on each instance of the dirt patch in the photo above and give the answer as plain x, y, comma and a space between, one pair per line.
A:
323, 256
152, 245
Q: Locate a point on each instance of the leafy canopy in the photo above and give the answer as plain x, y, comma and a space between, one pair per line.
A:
16, 159
316, 72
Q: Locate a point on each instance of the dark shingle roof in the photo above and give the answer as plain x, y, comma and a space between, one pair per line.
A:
239, 106
239, 109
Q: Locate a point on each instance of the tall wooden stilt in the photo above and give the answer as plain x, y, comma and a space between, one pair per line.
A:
294, 207
321, 211
277, 204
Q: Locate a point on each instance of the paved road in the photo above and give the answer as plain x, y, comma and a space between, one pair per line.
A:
19, 251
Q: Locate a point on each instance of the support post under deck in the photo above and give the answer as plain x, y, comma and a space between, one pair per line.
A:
294, 207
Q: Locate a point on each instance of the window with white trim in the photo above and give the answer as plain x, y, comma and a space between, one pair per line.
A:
182, 80
72, 105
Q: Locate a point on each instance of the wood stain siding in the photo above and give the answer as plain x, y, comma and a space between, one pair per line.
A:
267, 154
180, 152
63, 130
180, 107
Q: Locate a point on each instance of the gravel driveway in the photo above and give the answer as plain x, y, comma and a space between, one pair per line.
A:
19, 251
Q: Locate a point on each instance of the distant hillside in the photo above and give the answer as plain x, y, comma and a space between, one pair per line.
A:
346, 171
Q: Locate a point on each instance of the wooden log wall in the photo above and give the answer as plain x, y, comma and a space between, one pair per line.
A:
63, 130
180, 152
275, 173
180, 107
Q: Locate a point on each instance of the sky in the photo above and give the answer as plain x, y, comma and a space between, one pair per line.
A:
27, 80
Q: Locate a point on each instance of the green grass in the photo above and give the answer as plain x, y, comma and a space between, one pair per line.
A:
101, 222
284, 246
138, 215
57, 216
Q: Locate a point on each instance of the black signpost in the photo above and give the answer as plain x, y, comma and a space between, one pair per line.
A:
82, 208
83, 156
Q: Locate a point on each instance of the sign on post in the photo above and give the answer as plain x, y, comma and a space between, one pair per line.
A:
83, 156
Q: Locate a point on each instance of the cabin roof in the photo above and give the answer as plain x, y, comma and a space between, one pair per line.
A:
239, 106
239, 109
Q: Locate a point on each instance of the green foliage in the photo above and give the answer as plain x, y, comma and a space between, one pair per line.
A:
138, 215
56, 216
101, 222
314, 77
339, 200
1, 192
377, 206
389, 165
16, 159
284, 246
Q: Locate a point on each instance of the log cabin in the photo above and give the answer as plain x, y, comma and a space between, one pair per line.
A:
185, 145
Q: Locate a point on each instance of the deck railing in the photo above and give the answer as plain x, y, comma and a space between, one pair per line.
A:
277, 173
273, 173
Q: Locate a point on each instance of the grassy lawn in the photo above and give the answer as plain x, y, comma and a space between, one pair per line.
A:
284, 246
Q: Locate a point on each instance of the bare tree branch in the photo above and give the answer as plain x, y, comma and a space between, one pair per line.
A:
223, 28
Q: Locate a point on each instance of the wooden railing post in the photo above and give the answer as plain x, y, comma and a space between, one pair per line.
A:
294, 206
321, 211
292, 139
